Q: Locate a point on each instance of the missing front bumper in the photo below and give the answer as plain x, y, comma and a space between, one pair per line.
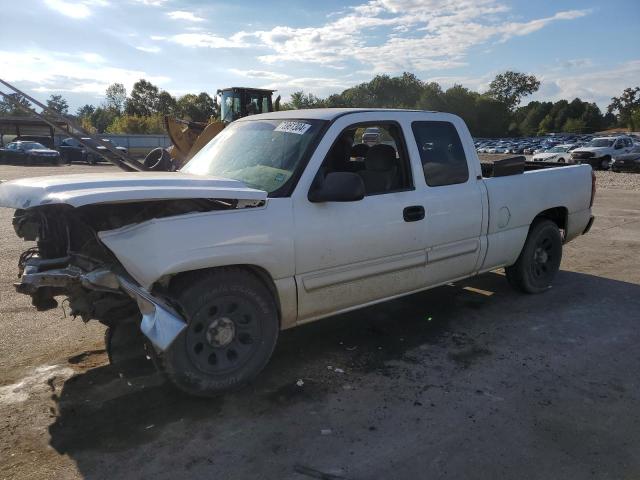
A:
161, 324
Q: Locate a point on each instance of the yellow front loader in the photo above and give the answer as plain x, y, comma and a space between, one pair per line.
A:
188, 137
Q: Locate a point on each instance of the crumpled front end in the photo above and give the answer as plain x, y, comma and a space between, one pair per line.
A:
70, 260
42, 280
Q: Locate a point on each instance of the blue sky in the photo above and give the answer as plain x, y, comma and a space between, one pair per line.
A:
583, 48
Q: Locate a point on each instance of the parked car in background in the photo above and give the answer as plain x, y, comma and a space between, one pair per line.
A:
600, 151
28, 153
371, 136
74, 151
628, 162
518, 149
558, 154
45, 140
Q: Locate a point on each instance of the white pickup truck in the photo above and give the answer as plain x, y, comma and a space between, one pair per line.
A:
282, 219
601, 152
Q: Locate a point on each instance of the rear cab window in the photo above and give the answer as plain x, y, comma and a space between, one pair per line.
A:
441, 153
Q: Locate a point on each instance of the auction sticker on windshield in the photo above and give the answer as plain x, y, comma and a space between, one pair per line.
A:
293, 127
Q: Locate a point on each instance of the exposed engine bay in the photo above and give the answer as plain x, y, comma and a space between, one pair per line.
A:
70, 260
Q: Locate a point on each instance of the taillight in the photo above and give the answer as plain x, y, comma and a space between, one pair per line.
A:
593, 188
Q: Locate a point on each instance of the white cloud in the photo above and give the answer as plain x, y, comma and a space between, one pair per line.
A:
260, 74
184, 15
416, 35
64, 72
151, 3
593, 85
575, 63
149, 49
208, 40
69, 9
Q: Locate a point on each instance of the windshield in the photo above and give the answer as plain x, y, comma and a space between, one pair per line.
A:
263, 154
33, 146
599, 142
558, 149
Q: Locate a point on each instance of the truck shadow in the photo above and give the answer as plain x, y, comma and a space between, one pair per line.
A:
448, 329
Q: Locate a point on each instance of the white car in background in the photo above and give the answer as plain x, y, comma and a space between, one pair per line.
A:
557, 154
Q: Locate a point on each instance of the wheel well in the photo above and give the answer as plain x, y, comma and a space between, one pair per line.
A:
557, 215
259, 272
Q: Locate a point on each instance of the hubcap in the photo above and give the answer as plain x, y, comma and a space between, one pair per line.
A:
542, 257
220, 332
223, 334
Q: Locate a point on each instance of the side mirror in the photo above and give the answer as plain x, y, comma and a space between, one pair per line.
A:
338, 187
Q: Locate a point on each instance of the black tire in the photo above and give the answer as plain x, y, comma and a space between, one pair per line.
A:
158, 159
232, 330
561, 160
605, 163
124, 342
539, 260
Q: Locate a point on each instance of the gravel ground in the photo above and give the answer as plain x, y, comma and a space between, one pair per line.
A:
469, 380
618, 181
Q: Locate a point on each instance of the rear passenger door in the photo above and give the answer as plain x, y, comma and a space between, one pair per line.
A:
453, 196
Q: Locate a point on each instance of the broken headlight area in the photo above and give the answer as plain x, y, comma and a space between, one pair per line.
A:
70, 260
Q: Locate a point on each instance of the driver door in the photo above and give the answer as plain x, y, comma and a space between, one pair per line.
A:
352, 253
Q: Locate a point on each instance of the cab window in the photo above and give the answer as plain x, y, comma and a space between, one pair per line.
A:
375, 152
441, 153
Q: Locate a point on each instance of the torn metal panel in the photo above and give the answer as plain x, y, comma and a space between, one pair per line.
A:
160, 322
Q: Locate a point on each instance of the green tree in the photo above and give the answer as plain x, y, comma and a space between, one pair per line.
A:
383, 91
57, 103
143, 100
85, 111
511, 87
432, 98
576, 108
300, 100
137, 124
116, 97
533, 114
546, 125
462, 102
9, 108
101, 118
592, 118
197, 108
624, 107
492, 117
574, 125
167, 104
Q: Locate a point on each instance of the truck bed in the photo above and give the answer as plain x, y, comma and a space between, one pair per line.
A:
514, 166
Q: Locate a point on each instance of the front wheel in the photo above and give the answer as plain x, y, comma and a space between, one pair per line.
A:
605, 163
232, 330
539, 260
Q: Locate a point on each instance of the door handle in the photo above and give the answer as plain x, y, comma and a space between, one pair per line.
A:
413, 213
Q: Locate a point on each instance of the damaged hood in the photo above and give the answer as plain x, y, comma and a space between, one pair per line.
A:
95, 188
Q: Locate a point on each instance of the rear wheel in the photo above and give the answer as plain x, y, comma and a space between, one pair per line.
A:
232, 330
605, 163
539, 260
